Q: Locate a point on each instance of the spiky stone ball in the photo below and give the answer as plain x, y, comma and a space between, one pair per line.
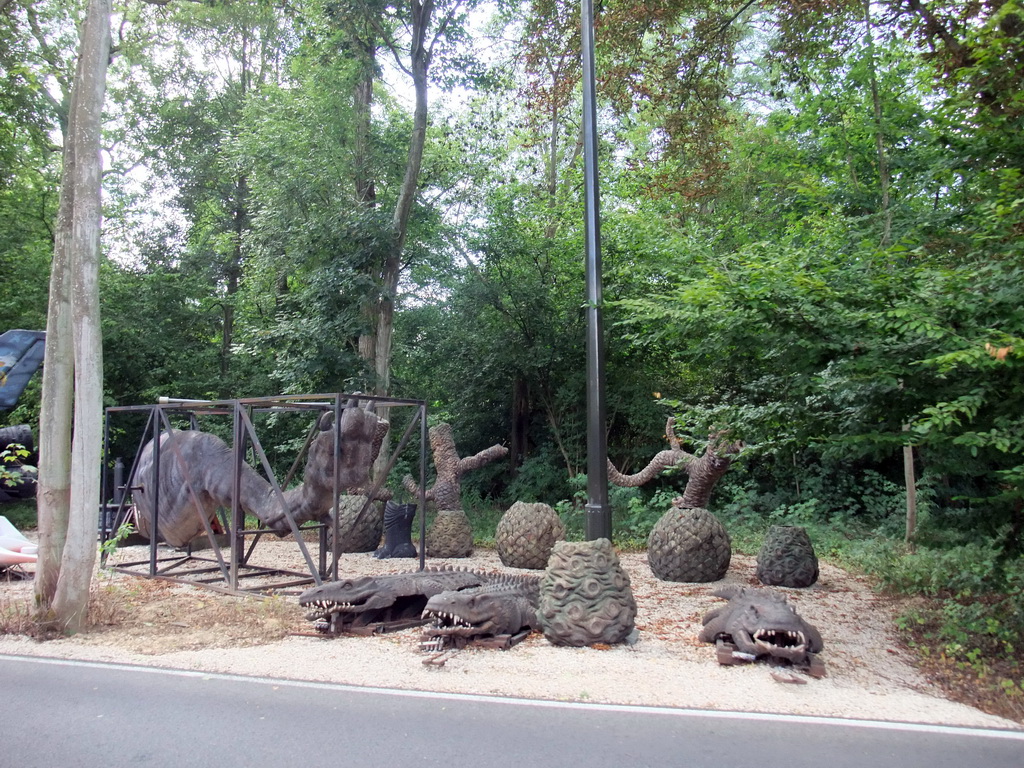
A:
585, 595
526, 533
359, 533
787, 558
451, 535
689, 545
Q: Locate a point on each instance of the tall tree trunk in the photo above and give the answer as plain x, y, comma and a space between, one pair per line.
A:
53, 497
362, 100
883, 158
63, 596
519, 441
233, 273
419, 64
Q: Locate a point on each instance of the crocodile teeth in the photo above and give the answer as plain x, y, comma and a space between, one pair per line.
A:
781, 639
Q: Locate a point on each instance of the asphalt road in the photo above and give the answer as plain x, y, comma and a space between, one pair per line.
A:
80, 715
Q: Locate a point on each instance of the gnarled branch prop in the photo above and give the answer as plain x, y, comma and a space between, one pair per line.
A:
702, 471
446, 492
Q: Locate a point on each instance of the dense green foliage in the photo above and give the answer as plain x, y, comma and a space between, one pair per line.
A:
812, 220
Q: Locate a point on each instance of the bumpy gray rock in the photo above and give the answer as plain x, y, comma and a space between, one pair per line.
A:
359, 533
451, 535
787, 558
526, 533
689, 545
585, 595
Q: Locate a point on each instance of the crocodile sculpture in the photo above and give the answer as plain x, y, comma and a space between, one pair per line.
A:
761, 623
506, 605
366, 604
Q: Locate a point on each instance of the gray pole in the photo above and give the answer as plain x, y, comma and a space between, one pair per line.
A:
599, 516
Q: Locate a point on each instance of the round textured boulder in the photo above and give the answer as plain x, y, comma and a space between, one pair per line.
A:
526, 533
362, 534
787, 558
451, 535
585, 595
689, 545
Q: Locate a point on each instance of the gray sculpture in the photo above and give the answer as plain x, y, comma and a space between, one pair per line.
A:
702, 472
585, 596
451, 534
526, 534
352, 604
689, 545
197, 477
506, 605
761, 623
787, 558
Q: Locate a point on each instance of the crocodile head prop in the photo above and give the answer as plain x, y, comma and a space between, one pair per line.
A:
504, 606
365, 601
760, 622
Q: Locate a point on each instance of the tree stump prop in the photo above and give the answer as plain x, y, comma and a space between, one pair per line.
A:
526, 535
451, 535
359, 533
455, 535
689, 545
787, 558
585, 595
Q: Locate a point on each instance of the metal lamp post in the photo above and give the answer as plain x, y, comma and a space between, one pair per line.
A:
599, 517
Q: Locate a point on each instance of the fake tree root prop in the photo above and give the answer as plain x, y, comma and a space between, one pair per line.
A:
447, 489
688, 543
451, 535
702, 472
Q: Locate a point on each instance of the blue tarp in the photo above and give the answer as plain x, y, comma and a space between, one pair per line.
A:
21, 354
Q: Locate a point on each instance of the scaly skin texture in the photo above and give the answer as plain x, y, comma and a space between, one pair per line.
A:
197, 471
505, 606
348, 604
760, 622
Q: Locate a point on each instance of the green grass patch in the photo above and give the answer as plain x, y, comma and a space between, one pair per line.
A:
21, 513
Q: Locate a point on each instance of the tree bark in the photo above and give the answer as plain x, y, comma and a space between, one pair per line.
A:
883, 158
53, 497
383, 332
77, 253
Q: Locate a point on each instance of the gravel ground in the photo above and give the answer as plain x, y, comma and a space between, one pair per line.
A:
869, 675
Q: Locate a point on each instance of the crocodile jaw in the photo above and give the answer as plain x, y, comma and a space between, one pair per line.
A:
447, 623
783, 644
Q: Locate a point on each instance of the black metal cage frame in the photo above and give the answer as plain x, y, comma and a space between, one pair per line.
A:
222, 573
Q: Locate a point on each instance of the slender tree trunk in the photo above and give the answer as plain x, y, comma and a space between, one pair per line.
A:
366, 192
82, 210
419, 59
53, 500
519, 441
420, 63
883, 158
233, 273
910, 480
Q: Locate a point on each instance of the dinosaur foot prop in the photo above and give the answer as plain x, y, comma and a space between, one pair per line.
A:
397, 531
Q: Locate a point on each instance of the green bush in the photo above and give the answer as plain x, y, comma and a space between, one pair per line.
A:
21, 514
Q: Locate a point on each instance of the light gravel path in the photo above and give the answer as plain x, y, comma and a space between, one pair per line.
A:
869, 677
